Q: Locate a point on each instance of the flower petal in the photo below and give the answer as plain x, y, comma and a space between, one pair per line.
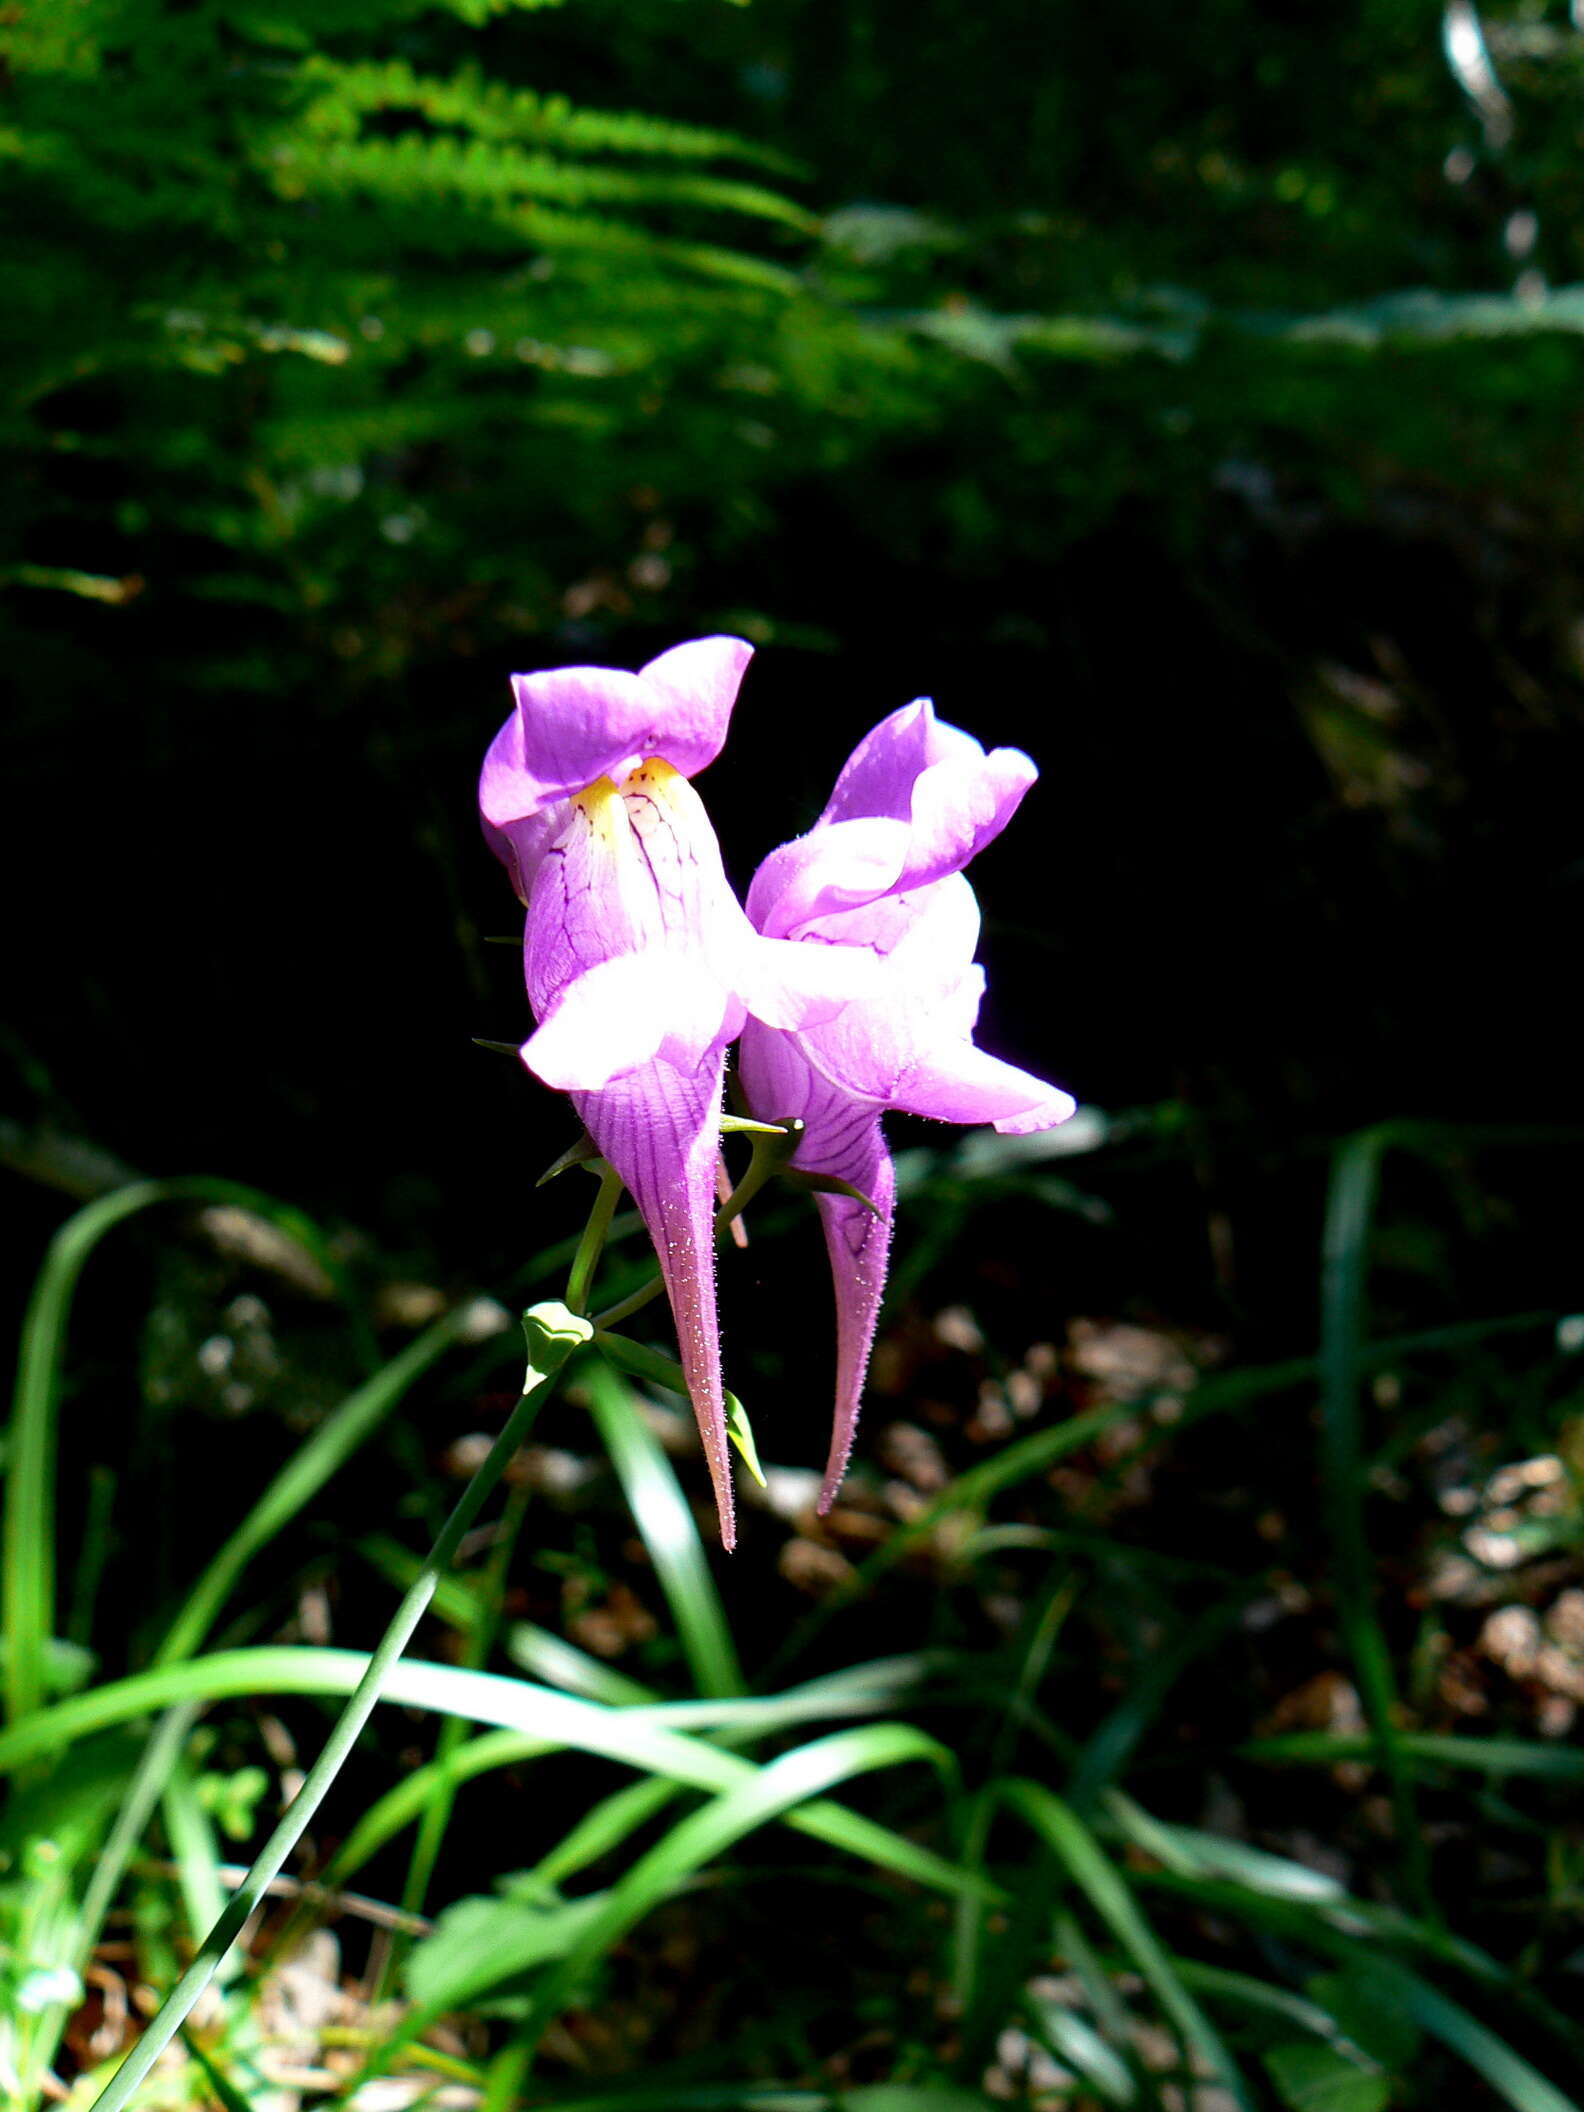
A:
841, 867
697, 686
879, 776
916, 800
572, 726
842, 1136
575, 725
956, 1082
788, 984
660, 1130
619, 1014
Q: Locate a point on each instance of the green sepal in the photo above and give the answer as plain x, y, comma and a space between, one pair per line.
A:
829, 1184
740, 1431
553, 1331
642, 1362
582, 1153
501, 1048
733, 1123
774, 1146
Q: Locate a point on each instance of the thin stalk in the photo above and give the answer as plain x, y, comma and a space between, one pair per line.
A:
1349, 1223
553, 1334
454, 1731
580, 1277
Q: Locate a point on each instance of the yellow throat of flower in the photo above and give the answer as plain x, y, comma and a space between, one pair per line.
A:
650, 829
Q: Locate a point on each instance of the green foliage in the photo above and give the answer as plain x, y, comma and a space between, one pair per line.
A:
1182, 1951
327, 334
318, 329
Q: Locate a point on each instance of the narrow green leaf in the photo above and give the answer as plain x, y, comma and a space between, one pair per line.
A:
795, 1778
1075, 1847
665, 1520
341, 1434
27, 1575
230, 2097
480, 1944
638, 1738
1508, 2073
1312, 2077
1491, 1756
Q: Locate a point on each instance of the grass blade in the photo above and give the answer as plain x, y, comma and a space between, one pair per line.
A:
1096, 1876
775, 1791
27, 1567
1350, 1212
639, 1738
552, 1334
1490, 1756
307, 1471
665, 1521
1508, 2073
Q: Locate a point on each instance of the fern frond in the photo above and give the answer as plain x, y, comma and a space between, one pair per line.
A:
352, 90
416, 166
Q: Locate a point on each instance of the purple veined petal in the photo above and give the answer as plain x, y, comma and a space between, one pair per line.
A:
660, 1130
571, 726
842, 1137
618, 1015
788, 984
937, 800
634, 876
924, 991
697, 684
957, 1082
575, 725
959, 808
520, 845
878, 777
955, 798
833, 868
859, 1247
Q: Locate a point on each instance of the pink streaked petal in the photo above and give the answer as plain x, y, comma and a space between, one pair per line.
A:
520, 845
926, 937
878, 777
1049, 1113
924, 992
619, 1015
955, 1082
859, 1246
660, 1130
842, 1136
697, 685
960, 807
573, 725
938, 800
631, 873
848, 864
604, 1025
955, 798
787, 983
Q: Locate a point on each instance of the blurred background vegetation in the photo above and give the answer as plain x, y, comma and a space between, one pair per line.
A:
1192, 398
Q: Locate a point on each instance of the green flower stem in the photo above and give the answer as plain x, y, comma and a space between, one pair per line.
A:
553, 1334
454, 1731
580, 1277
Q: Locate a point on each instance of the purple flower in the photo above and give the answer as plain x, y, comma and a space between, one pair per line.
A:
880, 874
640, 964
